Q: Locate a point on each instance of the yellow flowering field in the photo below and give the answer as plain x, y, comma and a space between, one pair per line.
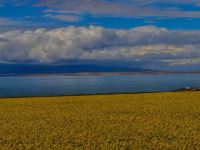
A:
124, 121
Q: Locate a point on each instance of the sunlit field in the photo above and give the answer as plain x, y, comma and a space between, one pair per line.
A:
130, 121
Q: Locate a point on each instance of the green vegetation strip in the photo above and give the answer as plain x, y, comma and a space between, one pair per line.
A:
129, 121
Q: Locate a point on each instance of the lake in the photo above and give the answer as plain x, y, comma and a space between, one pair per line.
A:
78, 85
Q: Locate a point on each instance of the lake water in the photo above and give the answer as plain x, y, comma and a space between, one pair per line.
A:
77, 85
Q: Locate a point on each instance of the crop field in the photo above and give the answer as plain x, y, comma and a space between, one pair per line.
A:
129, 121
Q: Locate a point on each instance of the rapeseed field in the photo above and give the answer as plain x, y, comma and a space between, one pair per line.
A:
124, 121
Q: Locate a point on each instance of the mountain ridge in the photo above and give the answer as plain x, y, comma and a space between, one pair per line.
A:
24, 69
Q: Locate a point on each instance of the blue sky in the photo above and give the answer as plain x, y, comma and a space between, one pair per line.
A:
154, 34
123, 14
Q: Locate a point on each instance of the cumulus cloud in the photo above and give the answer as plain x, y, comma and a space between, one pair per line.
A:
142, 44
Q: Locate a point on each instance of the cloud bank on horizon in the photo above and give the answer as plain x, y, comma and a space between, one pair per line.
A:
144, 45
144, 33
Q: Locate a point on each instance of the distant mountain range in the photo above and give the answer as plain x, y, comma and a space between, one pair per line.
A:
22, 69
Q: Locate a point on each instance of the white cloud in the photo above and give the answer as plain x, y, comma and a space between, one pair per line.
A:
62, 11
7, 21
127, 8
65, 17
144, 44
124, 8
174, 62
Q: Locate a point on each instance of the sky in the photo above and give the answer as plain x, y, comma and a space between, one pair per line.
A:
152, 34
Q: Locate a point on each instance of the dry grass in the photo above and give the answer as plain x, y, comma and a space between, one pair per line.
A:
138, 121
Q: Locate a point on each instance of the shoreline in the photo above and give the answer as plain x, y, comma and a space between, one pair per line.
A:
100, 94
97, 74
